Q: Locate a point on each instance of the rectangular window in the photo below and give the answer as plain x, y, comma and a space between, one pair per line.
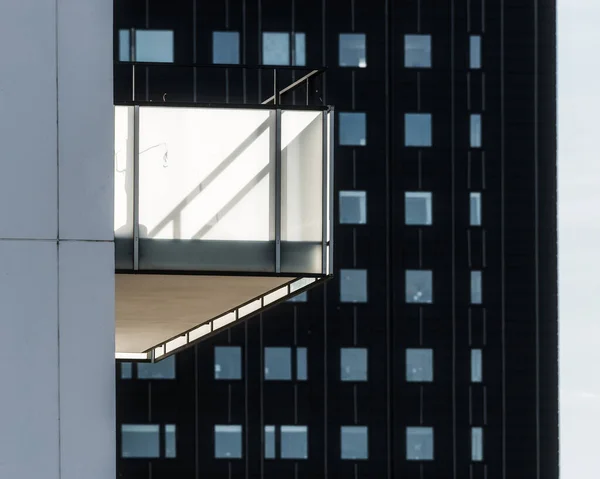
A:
475, 209
228, 362
353, 207
419, 365
170, 441
228, 441
301, 368
299, 298
419, 443
352, 129
419, 287
126, 370
294, 442
269, 442
417, 208
281, 48
353, 285
278, 364
355, 442
417, 51
140, 440
475, 52
417, 129
164, 369
353, 363
124, 45
353, 50
476, 294
476, 444
475, 131
476, 366
226, 48
154, 46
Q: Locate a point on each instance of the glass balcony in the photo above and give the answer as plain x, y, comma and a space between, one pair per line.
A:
219, 213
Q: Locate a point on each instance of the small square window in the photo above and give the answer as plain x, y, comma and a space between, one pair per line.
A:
154, 46
164, 369
476, 131
269, 442
417, 51
353, 285
228, 362
475, 51
353, 207
353, 50
226, 48
417, 129
419, 365
476, 367
353, 364
355, 442
126, 370
476, 444
419, 287
301, 370
140, 440
228, 441
170, 441
278, 364
475, 209
419, 443
279, 50
417, 208
353, 129
294, 442
299, 298
476, 287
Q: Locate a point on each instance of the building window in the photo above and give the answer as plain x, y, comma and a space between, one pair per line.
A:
140, 440
353, 207
419, 365
164, 369
417, 208
476, 444
150, 46
476, 287
228, 441
278, 364
476, 366
226, 48
170, 441
417, 129
281, 48
476, 131
353, 50
294, 442
352, 129
475, 209
417, 51
475, 51
354, 442
269, 442
419, 443
301, 366
353, 285
353, 363
126, 370
419, 287
228, 362
299, 298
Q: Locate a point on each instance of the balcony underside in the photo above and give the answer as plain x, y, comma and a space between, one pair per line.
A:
157, 314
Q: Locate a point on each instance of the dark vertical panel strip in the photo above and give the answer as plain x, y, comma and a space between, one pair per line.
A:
536, 239
453, 202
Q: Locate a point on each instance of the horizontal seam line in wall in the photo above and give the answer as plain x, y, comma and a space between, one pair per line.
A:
60, 240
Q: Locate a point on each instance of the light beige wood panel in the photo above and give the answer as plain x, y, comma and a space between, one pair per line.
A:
153, 308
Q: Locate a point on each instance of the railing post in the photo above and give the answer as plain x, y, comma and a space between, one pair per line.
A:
275, 88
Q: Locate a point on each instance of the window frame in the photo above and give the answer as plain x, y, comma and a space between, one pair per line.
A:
428, 63
362, 206
409, 117
428, 197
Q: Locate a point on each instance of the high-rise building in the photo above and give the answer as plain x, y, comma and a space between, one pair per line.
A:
433, 351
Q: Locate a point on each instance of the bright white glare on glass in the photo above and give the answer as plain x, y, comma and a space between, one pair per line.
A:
353, 50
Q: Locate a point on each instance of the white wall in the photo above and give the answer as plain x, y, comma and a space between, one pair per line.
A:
57, 413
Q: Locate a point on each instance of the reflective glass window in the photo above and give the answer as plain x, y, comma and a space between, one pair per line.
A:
476, 287
352, 129
354, 442
353, 50
417, 129
228, 362
417, 51
228, 441
353, 364
475, 131
475, 209
353, 207
164, 369
419, 365
417, 208
353, 286
140, 440
476, 366
170, 442
419, 287
419, 443
226, 48
278, 364
294, 442
475, 51
154, 46
476, 444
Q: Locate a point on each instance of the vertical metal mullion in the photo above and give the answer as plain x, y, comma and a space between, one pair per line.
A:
136, 190
277, 188
324, 195
133, 59
330, 186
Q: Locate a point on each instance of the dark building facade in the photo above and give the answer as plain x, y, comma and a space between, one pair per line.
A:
433, 351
